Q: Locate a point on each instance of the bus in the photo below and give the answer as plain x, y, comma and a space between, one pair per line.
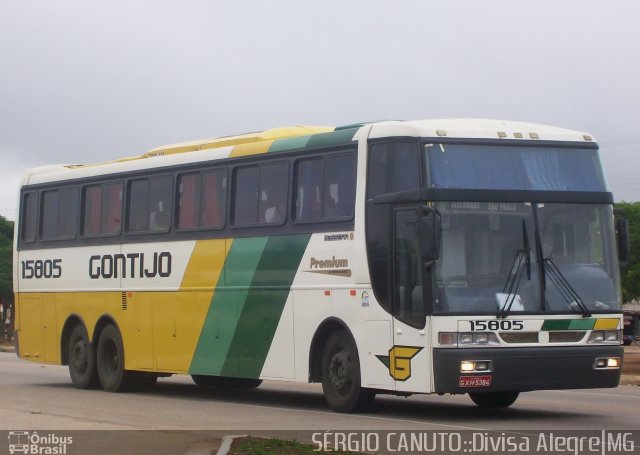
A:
456, 256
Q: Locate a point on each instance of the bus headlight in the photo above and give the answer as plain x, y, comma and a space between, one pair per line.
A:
604, 336
473, 338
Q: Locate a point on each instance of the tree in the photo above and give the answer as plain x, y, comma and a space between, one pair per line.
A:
6, 259
631, 273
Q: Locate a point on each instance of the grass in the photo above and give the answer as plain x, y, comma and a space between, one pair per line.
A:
252, 445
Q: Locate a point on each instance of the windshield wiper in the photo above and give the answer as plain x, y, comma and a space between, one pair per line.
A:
522, 257
568, 293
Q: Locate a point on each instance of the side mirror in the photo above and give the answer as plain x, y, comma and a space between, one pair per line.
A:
429, 234
622, 235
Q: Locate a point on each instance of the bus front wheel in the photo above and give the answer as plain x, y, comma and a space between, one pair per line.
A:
110, 360
494, 399
340, 370
81, 359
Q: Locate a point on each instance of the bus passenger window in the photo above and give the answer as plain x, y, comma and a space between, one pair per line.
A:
29, 215
138, 219
160, 203
309, 174
92, 211
325, 188
339, 186
111, 209
189, 190
274, 181
59, 214
214, 199
246, 196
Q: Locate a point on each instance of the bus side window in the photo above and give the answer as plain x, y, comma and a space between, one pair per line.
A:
274, 182
325, 188
160, 205
339, 186
29, 217
246, 196
137, 209
188, 203
393, 167
59, 214
309, 173
214, 199
92, 211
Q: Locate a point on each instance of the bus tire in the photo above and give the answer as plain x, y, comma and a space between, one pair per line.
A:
221, 382
494, 399
340, 370
110, 360
81, 359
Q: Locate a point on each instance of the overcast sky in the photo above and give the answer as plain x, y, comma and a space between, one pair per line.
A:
85, 81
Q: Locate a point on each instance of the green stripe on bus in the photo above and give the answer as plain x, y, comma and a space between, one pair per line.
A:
264, 305
568, 324
342, 137
290, 143
227, 303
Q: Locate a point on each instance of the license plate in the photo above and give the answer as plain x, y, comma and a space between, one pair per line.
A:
474, 381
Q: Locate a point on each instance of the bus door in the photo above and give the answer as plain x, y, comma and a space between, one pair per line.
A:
409, 357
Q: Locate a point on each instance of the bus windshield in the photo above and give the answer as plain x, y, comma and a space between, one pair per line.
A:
497, 167
486, 247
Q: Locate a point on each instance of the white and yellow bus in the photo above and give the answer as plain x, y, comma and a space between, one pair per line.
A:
400, 257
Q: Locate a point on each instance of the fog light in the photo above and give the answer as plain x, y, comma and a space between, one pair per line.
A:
604, 363
481, 338
447, 338
466, 366
482, 366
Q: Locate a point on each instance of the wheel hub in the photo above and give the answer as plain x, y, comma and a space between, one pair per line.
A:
340, 370
80, 355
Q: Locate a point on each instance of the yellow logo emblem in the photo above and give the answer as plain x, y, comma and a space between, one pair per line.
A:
399, 361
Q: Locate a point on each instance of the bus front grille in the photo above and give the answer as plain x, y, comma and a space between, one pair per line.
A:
573, 336
519, 337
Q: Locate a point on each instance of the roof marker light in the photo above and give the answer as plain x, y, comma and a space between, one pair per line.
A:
517, 135
502, 134
534, 135
441, 133
587, 138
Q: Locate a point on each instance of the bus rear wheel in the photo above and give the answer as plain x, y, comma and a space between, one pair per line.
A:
110, 360
494, 399
340, 370
82, 359
224, 382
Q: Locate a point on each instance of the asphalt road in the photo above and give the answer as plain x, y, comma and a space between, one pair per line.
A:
36, 396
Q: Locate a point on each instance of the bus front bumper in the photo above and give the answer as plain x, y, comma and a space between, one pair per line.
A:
524, 369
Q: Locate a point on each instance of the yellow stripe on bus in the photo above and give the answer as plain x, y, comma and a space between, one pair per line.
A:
254, 148
606, 324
